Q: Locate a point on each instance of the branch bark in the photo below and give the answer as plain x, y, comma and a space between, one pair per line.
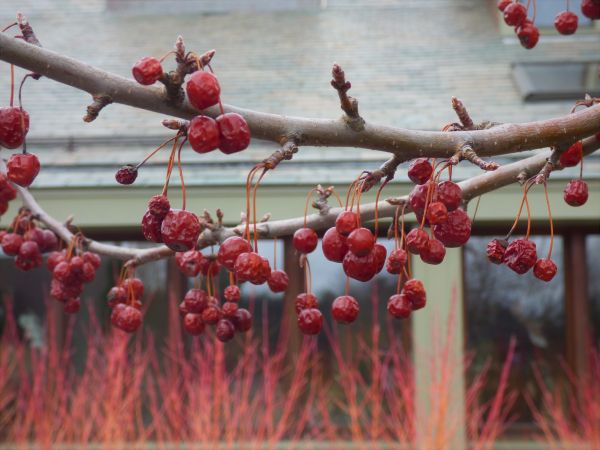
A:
501, 139
471, 188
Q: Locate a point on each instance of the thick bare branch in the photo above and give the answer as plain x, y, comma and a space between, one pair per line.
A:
497, 140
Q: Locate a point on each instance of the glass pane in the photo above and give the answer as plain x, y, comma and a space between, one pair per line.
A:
501, 304
592, 247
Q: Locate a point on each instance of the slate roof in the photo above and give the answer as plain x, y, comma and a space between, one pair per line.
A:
405, 60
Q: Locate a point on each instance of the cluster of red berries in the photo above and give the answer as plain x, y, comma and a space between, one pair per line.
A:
21, 168
576, 191
26, 241
124, 300
565, 22
178, 229
199, 309
70, 269
521, 256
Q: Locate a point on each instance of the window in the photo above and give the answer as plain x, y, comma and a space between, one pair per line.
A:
557, 80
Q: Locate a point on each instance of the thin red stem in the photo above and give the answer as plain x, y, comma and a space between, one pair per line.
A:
9, 27
154, 152
12, 84
170, 166
308, 196
254, 207
551, 221
183, 193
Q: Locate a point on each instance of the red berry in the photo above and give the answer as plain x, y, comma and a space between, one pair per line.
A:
159, 206
418, 197
11, 242
591, 9
420, 170
225, 330
520, 255
127, 318
346, 222
361, 241
196, 301
30, 250
53, 259
126, 174
415, 293
450, 194
566, 22
361, 268
379, 255
396, 261
437, 213
180, 230
92, 258
3, 206
232, 293
334, 245
210, 266
14, 125
62, 272
234, 134
399, 306
189, 263
88, 273
22, 168
310, 321
416, 240
544, 269
116, 295
278, 281
193, 324
305, 301
344, 309
203, 89
305, 240
252, 267
456, 231
502, 4
229, 309
573, 155
434, 252
515, 14
50, 241
7, 192
151, 227
63, 292
203, 134
211, 314
182, 309
576, 193
147, 70
495, 250
230, 249
36, 235
528, 35
72, 306
135, 286
242, 320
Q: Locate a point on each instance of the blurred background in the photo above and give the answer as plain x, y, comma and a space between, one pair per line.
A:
405, 60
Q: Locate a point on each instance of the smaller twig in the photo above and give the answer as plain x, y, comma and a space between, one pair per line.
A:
265, 218
100, 101
462, 113
176, 124
285, 153
348, 104
551, 163
322, 203
387, 170
470, 155
29, 37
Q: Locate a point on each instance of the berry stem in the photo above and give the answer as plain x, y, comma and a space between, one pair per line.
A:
170, 166
208, 280
172, 52
249, 179
220, 104
183, 193
307, 276
231, 279
254, 207
154, 152
377, 207
347, 286
308, 196
12, 84
551, 221
581, 168
9, 27
275, 253
360, 187
476, 209
526, 187
528, 216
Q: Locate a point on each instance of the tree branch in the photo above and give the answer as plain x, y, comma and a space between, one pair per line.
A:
471, 188
501, 139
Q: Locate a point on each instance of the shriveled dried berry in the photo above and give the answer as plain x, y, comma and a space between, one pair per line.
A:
11, 242
232, 293
230, 249
193, 324
234, 133
127, 318
434, 252
180, 230
361, 268
415, 292
544, 269
399, 306
304, 301
416, 240
196, 301
159, 206
396, 261
22, 168
203, 89
203, 134
14, 125
126, 174
135, 286
379, 255
250, 267
151, 227
437, 213
572, 155
456, 231
576, 193
242, 320
209, 266
495, 250
310, 321
189, 263
520, 255
345, 309
147, 70
211, 314
450, 194
116, 295
420, 170
229, 309
278, 281
225, 330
